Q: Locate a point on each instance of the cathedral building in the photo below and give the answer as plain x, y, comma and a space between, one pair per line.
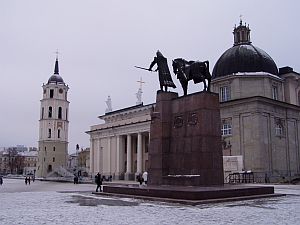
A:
259, 109
260, 118
53, 125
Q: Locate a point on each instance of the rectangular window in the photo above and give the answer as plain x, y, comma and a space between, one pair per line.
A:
278, 130
225, 94
275, 92
59, 112
51, 93
49, 133
58, 133
53, 159
54, 149
43, 113
226, 129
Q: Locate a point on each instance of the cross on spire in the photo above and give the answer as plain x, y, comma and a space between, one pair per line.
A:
57, 52
141, 82
241, 21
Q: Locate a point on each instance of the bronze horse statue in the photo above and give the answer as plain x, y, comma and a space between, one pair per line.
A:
192, 70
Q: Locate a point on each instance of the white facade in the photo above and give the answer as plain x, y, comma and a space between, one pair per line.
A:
119, 147
53, 125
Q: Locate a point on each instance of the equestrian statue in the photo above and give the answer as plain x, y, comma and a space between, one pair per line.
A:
185, 71
192, 70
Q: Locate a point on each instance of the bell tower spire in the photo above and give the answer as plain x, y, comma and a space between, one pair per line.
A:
241, 34
56, 69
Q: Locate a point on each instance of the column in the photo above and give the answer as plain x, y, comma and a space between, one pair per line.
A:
109, 156
98, 158
92, 157
128, 174
139, 154
119, 161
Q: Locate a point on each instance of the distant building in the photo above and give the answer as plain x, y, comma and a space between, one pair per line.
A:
53, 125
11, 161
72, 163
84, 161
30, 162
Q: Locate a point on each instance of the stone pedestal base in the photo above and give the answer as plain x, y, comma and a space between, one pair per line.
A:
185, 140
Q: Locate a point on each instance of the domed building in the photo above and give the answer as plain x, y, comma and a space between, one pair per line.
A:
259, 111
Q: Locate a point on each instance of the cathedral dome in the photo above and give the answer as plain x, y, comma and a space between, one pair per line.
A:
243, 57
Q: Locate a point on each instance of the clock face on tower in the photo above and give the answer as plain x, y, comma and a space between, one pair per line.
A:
61, 91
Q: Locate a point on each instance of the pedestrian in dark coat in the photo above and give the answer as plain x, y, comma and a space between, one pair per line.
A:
26, 180
98, 182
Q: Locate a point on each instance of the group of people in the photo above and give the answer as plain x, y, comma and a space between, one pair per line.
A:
142, 179
27, 180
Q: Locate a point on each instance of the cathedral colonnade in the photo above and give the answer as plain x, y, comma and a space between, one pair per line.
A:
121, 156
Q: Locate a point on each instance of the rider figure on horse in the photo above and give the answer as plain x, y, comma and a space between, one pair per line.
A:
164, 74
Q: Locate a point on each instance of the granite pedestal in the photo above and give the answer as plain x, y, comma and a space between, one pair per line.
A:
185, 140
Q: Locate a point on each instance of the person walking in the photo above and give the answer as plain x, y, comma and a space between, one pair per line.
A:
98, 182
140, 180
29, 180
145, 177
26, 180
1, 180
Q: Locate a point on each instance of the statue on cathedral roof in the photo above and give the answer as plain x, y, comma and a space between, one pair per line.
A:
109, 105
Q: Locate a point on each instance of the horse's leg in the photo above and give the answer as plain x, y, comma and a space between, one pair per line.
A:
183, 85
204, 83
208, 84
185, 88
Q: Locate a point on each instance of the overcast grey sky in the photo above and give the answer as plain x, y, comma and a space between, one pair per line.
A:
101, 41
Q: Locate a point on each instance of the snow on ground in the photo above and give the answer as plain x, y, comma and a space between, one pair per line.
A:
66, 203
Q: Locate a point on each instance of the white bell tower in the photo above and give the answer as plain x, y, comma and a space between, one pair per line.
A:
53, 125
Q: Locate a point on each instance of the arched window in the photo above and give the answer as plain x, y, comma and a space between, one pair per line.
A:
49, 133
59, 112
298, 97
58, 133
50, 112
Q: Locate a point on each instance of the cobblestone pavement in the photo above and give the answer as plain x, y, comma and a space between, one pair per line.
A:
66, 203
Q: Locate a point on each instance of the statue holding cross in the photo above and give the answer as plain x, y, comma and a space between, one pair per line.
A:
139, 93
